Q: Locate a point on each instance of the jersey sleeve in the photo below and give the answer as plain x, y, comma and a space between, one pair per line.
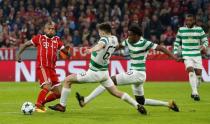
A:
177, 42
124, 42
35, 40
103, 40
60, 44
150, 45
204, 40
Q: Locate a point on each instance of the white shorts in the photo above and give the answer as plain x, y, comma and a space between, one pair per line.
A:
136, 78
195, 62
95, 76
131, 77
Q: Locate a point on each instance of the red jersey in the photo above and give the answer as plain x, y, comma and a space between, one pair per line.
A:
47, 50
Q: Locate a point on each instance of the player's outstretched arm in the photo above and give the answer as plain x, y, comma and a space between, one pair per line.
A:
204, 42
95, 48
167, 52
22, 48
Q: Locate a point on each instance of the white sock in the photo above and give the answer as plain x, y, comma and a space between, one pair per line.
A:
199, 78
64, 95
129, 100
97, 91
193, 82
153, 102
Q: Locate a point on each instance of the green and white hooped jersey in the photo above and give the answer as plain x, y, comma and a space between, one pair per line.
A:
190, 40
100, 59
138, 52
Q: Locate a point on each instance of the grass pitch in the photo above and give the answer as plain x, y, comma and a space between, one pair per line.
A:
106, 109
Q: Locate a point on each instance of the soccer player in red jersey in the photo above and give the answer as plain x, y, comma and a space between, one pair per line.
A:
47, 48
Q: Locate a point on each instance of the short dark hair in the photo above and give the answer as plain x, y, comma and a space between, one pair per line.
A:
49, 23
135, 29
189, 15
105, 27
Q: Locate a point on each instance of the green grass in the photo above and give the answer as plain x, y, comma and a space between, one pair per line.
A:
106, 109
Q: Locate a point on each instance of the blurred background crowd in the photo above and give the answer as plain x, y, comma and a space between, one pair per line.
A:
76, 20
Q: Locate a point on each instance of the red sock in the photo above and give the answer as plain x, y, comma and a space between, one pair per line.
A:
41, 97
51, 97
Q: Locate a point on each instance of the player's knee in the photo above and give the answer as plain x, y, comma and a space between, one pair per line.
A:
72, 78
47, 86
68, 79
190, 69
198, 72
57, 90
66, 82
140, 99
114, 80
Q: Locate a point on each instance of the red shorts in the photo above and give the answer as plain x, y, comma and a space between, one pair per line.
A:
47, 75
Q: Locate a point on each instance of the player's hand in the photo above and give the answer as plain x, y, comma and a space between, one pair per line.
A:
88, 51
68, 51
69, 54
18, 58
180, 59
203, 49
174, 57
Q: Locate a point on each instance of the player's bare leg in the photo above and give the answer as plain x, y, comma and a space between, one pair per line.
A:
140, 99
138, 91
193, 82
54, 94
83, 100
171, 104
64, 93
96, 92
124, 96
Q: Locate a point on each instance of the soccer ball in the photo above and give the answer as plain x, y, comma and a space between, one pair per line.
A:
27, 108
